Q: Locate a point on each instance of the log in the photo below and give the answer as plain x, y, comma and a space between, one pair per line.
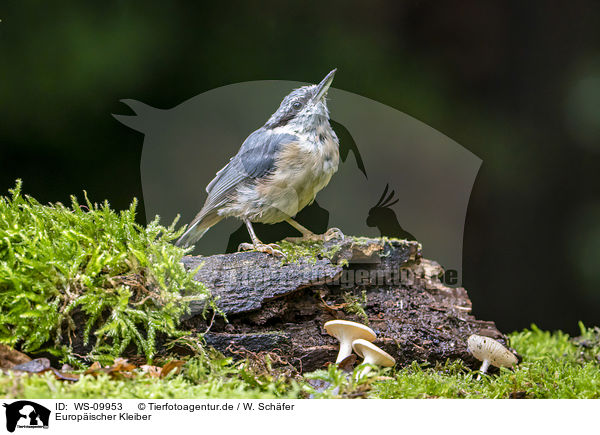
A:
279, 307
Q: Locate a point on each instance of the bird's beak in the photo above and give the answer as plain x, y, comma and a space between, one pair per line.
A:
323, 87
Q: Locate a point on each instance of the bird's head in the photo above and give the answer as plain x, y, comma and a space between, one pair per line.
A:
382, 211
304, 108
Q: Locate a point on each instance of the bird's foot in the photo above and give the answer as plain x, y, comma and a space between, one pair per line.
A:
271, 249
331, 233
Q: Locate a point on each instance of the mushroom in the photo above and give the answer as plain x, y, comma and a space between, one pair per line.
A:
346, 332
372, 355
490, 351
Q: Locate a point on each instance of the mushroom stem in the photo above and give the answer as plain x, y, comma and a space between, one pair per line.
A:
345, 351
483, 369
490, 351
372, 356
346, 332
365, 370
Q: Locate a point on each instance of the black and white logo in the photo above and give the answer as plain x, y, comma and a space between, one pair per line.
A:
25, 414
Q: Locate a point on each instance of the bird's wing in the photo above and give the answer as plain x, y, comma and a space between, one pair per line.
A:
255, 159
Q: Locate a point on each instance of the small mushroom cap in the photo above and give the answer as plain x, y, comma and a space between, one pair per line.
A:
344, 329
379, 356
486, 348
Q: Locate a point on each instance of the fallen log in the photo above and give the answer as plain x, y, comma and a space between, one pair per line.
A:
279, 307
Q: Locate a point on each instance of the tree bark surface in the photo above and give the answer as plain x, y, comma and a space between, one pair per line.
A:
278, 307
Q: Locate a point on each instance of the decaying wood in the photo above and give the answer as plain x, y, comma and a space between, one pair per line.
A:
279, 307
10, 357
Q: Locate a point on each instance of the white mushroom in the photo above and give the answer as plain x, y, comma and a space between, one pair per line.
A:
346, 332
490, 351
372, 355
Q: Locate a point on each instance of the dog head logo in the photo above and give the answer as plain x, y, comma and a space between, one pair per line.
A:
26, 414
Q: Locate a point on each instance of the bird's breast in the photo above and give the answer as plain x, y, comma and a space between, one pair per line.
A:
302, 169
311, 161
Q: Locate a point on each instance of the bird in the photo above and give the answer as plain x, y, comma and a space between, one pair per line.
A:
278, 170
382, 216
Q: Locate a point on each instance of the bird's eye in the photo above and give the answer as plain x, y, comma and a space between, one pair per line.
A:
297, 105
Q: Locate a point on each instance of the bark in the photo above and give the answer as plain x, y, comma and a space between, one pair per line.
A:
280, 307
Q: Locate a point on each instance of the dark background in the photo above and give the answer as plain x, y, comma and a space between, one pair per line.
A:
517, 83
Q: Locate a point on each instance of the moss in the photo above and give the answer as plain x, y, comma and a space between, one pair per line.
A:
356, 305
313, 250
125, 280
552, 368
309, 250
203, 376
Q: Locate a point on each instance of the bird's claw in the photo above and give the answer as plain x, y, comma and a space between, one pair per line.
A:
331, 233
271, 249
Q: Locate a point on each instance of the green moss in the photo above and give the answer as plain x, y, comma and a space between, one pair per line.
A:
356, 305
203, 376
124, 279
333, 383
310, 250
552, 367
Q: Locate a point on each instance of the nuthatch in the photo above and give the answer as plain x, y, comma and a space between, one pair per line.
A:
278, 170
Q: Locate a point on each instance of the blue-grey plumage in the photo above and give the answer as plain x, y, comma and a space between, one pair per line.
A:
278, 170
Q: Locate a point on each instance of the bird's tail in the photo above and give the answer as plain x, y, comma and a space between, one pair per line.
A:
200, 225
